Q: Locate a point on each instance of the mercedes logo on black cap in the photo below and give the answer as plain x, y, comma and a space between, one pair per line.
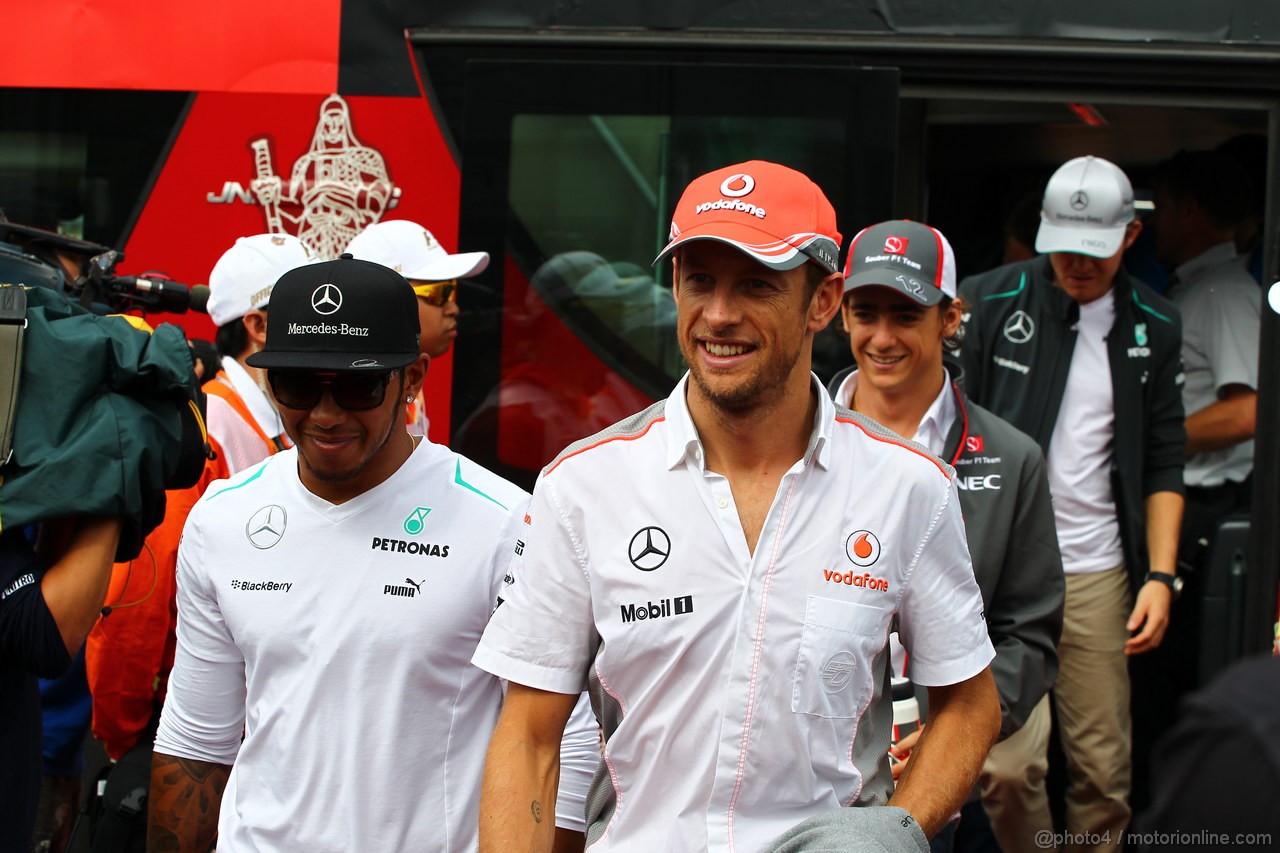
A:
326, 299
266, 526
649, 548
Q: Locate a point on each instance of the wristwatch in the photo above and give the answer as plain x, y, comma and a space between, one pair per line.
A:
1172, 581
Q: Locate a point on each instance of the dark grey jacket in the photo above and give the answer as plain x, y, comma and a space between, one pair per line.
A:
1004, 495
1018, 369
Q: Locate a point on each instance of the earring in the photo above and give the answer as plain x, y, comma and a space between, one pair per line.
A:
409, 399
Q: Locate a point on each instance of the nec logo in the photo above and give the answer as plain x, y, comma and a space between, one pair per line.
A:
974, 444
1139, 352
664, 608
990, 482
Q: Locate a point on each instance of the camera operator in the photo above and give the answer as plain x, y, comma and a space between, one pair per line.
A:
98, 417
50, 594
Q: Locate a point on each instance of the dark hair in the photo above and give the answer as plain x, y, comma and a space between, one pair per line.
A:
814, 276
1218, 184
954, 342
232, 338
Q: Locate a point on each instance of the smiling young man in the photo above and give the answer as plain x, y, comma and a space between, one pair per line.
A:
902, 315
722, 568
1085, 360
329, 601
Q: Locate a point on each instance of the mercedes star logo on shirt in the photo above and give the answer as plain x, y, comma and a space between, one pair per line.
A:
326, 299
649, 548
266, 526
1019, 328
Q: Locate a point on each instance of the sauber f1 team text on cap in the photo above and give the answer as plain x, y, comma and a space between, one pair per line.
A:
773, 213
909, 257
340, 315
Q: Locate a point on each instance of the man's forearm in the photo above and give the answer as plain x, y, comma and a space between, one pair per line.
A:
1164, 521
185, 798
1223, 424
964, 721
518, 801
76, 583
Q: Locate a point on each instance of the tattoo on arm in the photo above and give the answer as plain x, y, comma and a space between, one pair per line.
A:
536, 808
185, 798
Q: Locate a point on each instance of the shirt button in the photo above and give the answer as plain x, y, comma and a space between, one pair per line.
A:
722, 503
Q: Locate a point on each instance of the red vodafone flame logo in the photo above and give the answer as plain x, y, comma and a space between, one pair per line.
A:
895, 245
736, 186
973, 444
862, 548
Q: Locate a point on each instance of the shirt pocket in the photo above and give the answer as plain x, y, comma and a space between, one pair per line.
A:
833, 668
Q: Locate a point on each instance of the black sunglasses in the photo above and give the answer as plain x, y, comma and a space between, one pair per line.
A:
355, 391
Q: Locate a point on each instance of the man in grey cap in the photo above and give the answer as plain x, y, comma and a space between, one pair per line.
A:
1085, 360
902, 314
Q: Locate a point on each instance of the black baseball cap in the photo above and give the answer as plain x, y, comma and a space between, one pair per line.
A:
907, 256
340, 315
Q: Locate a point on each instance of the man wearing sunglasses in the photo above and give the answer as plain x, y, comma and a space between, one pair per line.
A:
415, 253
329, 601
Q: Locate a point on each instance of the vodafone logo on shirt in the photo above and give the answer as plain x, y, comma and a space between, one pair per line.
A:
862, 548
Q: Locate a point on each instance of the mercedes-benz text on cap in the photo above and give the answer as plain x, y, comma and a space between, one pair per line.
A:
909, 257
774, 214
1087, 205
414, 252
340, 315
242, 279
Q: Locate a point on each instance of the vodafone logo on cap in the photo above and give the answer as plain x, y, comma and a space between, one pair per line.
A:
736, 186
895, 245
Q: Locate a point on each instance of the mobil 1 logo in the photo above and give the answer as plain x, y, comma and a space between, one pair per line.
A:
660, 609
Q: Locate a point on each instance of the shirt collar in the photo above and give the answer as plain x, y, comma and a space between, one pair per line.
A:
684, 442
940, 415
1209, 258
255, 400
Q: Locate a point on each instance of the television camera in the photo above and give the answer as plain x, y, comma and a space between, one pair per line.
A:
84, 272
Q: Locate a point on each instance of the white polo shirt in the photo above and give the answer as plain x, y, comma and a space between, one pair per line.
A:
739, 693
337, 640
1221, 323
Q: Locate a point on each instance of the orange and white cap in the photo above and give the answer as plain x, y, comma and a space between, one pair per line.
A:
773, 213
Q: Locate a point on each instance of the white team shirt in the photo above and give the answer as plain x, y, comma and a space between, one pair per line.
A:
1221, 323
738, 693
1081, 447
338, 639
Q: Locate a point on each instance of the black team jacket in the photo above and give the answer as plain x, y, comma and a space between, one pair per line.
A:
1018, 369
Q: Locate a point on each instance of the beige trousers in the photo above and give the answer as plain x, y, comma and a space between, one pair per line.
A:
1092, 697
